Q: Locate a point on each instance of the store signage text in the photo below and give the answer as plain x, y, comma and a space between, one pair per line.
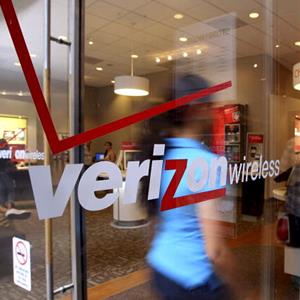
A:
213, 179
21, 154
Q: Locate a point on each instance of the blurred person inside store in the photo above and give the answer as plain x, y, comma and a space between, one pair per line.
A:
7, 185
88, 157
290, 174
109, 153
188, 260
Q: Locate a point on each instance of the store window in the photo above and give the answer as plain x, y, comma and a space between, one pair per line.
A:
185, 173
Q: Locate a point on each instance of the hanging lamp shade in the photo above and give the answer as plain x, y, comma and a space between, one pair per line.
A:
129, 85
296, 76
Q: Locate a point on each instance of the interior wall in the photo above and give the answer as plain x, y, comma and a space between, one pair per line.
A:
24, 109
101, 106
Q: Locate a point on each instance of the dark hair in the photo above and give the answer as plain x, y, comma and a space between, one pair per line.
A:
109, 143
160, 127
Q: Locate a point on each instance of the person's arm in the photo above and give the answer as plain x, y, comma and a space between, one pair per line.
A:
113, 156
219, 252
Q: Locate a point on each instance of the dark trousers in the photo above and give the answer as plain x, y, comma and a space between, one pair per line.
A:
213, 289
6, 188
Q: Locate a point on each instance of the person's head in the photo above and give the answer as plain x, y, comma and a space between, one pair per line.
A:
108, 145
195, 117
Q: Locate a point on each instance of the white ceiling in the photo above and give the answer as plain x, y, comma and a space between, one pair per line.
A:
119, 28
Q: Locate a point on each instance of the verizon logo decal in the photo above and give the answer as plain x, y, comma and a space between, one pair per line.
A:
214, 176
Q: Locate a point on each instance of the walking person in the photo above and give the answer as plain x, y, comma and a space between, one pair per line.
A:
187, 259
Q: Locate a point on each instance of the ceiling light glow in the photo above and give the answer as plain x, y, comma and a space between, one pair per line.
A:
255, 66
131, 86
178, 16
99, 69
134, 56
170, 57
199, 51
157, 60
297, 43
183, 39
254, 15
185, 54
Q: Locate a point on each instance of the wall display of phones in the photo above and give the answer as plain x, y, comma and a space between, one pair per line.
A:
232, 153
234, 131
255, 144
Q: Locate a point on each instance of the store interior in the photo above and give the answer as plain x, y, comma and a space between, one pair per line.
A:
254, 45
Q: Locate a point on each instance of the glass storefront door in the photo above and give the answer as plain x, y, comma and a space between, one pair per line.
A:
188, 182
22, 268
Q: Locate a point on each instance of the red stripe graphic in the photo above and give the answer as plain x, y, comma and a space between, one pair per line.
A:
193, 198
55, 144
169, 202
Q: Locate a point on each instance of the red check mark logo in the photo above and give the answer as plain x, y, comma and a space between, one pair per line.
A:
55, 144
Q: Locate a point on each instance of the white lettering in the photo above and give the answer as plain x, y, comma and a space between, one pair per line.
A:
47, 204
194, 181
89, 184
135, 172
218, 164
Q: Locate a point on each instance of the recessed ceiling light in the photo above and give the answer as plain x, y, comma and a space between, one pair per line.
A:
254, 15
185, 54
17, 64
99, 69
3, 93
178, 16
157, 60
170, 57
183, 39
112, 81
297, 43
255, 66
277, 46
91, 42
199, 51
134, 56
63, 37
20, 93
33, 55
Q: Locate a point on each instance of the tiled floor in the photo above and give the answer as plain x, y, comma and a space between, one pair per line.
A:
114, 253
111, 253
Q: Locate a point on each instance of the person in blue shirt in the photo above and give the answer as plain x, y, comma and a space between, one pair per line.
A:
185, 255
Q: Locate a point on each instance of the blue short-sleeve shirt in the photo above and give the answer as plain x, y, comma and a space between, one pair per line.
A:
178, 249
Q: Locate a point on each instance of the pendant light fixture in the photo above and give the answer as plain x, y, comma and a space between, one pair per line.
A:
130, 85
296, 76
